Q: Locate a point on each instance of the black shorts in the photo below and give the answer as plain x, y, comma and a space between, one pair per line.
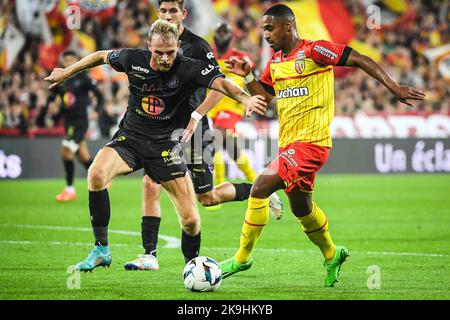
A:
161, 160
199, 158
75, 130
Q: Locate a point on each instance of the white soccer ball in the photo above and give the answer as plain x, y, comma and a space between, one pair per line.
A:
202, 274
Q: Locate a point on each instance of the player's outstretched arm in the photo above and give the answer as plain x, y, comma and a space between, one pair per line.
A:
60, 75
375, 70
210, 101
252, 104
242, 68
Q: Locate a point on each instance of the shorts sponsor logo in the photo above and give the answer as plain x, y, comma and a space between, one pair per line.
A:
121, 138
179, 173
288, 157
153, 105
173, 156
210, 55
293, 93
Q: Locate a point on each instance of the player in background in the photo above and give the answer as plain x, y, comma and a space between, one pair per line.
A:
227, 112
74, 101
161, 82
199, 159
300, 76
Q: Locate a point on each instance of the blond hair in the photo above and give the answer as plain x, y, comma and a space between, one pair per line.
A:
165, 29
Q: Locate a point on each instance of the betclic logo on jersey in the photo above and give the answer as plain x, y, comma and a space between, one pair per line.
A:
153, 105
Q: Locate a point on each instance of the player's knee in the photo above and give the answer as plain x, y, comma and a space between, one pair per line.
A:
96, 178
260, 190
150, 189
66, 154
307, 207
207, 199
146, 181
191, 224
303, 210
302, 205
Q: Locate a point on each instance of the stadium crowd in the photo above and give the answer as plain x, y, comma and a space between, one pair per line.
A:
23, 93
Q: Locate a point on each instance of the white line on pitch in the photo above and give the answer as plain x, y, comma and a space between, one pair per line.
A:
439, 255
171, 242
58, 243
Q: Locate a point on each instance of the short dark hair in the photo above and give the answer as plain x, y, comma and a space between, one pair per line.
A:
181, 3
280, 11
70, 53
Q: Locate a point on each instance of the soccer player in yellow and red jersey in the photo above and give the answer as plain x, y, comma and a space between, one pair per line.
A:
301, 77
227, 112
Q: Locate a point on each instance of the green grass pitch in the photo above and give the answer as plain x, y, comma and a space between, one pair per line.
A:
399, 225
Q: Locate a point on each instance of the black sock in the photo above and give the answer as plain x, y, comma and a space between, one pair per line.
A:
190, 246
69, 168
88, 163
150, 230
242, 191
100, 213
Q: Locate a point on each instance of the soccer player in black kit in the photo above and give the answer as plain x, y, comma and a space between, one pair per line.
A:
74, 97
160, 83
199, 154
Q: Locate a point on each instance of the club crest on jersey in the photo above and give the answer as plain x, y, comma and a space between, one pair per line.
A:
173, 83
153, 105
299, 66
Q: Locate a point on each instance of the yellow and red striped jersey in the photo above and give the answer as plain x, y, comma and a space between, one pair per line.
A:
303, 83
228, 104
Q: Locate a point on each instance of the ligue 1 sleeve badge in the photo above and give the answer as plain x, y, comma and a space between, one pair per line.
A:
299, 66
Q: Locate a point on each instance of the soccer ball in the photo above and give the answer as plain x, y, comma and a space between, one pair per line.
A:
202, 274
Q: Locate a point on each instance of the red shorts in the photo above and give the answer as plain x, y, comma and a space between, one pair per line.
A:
226, 120
298, 163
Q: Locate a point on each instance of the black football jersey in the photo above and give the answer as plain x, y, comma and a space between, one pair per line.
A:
157, 98
195, 47
74, 95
